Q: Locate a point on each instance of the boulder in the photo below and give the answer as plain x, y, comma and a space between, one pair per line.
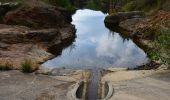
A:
130, 24
19, 42
35, 17
115, 19
112, 20
5, 7
129, 15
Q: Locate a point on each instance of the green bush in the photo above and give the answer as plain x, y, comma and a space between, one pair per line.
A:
161, 46
63, 3
93, 4
163, 42
145, 5
27, 66
129, 6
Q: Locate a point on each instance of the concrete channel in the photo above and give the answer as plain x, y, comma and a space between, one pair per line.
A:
83, 90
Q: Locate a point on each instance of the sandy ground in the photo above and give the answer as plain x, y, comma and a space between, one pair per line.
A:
139, 85
15, 85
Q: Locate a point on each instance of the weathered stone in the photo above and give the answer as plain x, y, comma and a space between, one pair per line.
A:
5, 7
129, 15
129, 24
112, 19
15, 85
139, 85
36, 17
3, 45
36, 43
115, 19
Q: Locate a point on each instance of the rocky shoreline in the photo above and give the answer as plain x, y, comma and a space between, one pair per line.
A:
37, 32
24, 35
136, 25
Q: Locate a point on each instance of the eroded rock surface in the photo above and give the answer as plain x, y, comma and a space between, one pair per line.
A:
19, 86
115, 19
37, 31
18, 43
139, 85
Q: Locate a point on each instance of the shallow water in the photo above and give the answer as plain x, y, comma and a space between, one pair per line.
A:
97, 47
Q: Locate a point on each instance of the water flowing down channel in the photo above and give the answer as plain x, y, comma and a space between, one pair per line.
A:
96, 47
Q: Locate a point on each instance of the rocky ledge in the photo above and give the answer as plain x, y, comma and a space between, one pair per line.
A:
35, 31
116, 18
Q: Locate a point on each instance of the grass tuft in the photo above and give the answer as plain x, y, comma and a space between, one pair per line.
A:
27, 66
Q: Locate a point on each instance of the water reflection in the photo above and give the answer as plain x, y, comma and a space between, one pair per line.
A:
96, 46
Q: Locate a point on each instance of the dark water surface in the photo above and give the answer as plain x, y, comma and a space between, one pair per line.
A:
97, 47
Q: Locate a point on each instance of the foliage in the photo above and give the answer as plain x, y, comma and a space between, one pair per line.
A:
129, 6
27, 66
145, 5
93, 4
163, 42
161, 46
63, 3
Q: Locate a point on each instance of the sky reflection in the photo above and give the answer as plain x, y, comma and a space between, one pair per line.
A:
97, 47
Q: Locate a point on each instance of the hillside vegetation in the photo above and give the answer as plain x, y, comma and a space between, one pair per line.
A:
156, 28
146, 5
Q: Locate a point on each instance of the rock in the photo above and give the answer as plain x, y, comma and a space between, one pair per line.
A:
39, 55
19, 42
117, 69
115, 19
44, 35
44, 70
5, 7
38, 31
35, 87
112, 19
35, 17
21, 34
139, 85
129, 15
3, 45
129, 24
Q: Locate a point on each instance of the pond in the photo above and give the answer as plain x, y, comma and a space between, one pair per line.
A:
97, 47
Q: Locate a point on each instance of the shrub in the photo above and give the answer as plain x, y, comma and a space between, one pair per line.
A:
63, 3
145, 5
93, 4
27, 66
161, 46
163, 42
129, 6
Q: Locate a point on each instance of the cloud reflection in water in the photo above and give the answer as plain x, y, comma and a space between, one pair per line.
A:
96, 46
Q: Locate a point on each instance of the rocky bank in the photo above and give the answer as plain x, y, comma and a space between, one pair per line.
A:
33, 30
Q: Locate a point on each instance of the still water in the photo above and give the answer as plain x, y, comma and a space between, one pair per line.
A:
97, 47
